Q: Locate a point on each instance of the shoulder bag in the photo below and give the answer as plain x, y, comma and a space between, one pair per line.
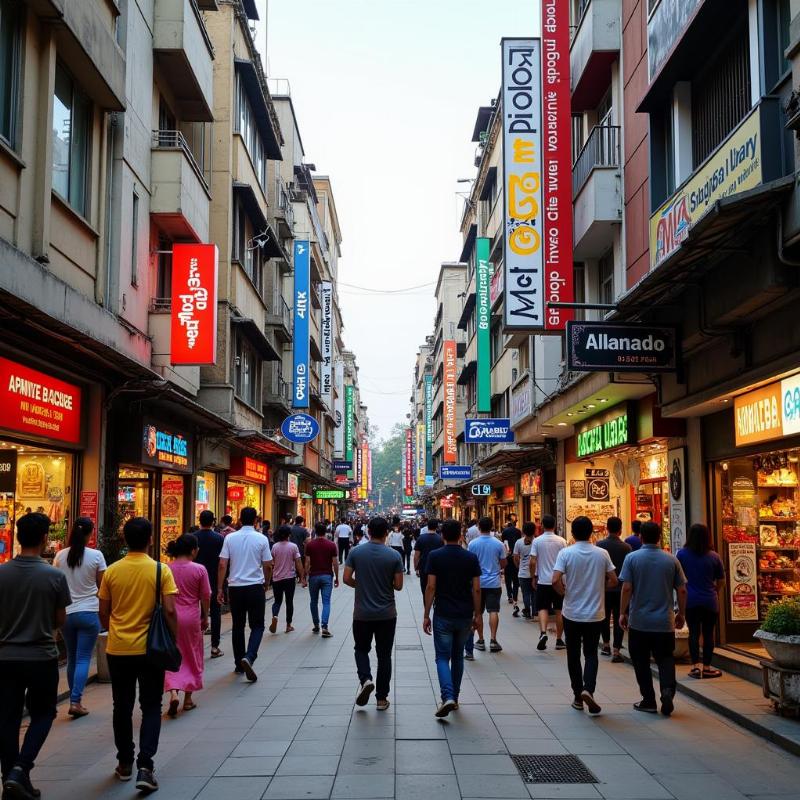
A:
161, 648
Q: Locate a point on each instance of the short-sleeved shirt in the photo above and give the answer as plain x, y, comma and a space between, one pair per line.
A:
584, 568
298, 536
209, 545
472, 533
375, 566
490, 553
82, 580
395, 539
634, 541
545, 550
524, 552
130, 585
246, 550
283, 557
653, 575
426, 543
321, 553
30, 593
511, 535
617, 549
454, 568
344, 531
702, 573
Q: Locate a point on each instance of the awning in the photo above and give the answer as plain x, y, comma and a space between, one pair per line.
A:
261, 444
515, 457
256, 336
260, 102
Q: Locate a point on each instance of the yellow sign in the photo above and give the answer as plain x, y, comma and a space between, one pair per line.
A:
758, 415
735, 166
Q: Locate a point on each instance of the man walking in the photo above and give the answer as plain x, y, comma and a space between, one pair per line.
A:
322, 568
299, 535
375, 571
127, 600
582, 575
344, 535
522, 561
427, 543
33, 598
209, 544
472, 531
635, 539
649, 578
454, 590
510, 535
248, 553
618, 550
492, 557
544, 552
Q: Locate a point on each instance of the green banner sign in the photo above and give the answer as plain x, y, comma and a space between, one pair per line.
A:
598, 435
348, 426
331, 494
483, 311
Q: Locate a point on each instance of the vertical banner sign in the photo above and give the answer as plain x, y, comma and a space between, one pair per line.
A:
302, 355
409, 462
420, 454
676, 475
326, 370
348, 426
428, 425
523, 292
193, 330
358, 466
338, 410
450, 445
364, 468
557, 163
483, 310
369, 468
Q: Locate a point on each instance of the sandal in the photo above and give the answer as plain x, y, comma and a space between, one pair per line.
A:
189, 706
711, 672
172, 711
694, 672
216, 652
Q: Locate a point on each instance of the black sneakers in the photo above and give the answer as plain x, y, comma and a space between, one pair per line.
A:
542, 645
146, 781
17, 786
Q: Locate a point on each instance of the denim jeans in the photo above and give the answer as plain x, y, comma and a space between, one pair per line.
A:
80, 634
247, 602
317, 584
449, 638
528, 593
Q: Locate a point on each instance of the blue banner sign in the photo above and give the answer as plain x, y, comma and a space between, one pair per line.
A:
455, 473
342, 467
302, 310
300, 428
477, 431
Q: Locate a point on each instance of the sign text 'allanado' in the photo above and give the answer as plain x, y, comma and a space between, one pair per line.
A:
600, 347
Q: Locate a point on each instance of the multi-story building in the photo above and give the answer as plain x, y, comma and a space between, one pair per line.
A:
423, 373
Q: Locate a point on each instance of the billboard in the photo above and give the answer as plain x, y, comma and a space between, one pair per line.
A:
409, 463
301, 344
193, 330
326, 366
523, 219
483, 333
420, 452
450, 444
349, 397
428, 425
477, 431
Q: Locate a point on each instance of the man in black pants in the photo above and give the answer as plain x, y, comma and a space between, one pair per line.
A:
510, 536
428, 541
247, 550
33, 598
375, 571
209, 544
618, 550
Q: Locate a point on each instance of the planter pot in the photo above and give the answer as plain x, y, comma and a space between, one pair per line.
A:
783, 650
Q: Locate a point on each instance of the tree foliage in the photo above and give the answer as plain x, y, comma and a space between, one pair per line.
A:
387, 459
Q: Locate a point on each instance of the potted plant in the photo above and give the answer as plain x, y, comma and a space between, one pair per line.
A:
780, 633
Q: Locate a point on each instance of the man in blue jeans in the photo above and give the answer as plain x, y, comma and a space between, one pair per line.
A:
454, 590
322, 568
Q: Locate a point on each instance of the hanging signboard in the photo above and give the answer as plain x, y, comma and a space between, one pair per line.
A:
326, 366
249, 469
300, 428
428, 425
523, 218
331, 494
450, 454
477, 431
420, 454
349, 399
603, 347
301, 342
193, 330
164, 447
678, 485
455, 473
338, 409
483, 323
409, 463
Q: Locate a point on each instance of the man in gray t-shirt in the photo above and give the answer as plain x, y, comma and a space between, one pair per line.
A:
649, 578
375, 571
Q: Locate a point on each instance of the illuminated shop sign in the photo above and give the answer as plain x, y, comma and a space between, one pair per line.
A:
770, 412
249, 469
331, 494
597, 435
162, 447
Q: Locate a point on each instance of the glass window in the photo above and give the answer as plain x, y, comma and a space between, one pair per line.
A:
784, 20
9, 68
71, 120
164, 277
605, 275
246, 372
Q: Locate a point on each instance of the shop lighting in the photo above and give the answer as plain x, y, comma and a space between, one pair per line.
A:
562, 424
725, 465
602, 399
570, 414
591, 405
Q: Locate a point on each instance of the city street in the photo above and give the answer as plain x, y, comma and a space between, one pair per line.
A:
295, 733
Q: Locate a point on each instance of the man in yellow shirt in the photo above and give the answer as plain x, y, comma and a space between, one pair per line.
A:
127, 599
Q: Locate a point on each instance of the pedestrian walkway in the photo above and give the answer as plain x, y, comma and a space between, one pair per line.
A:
295, 733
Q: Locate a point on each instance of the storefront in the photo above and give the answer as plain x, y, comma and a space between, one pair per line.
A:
502, 505
41, 453
286, 491
530, 490
247, 486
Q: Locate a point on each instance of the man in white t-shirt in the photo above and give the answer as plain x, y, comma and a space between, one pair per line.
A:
522, 558
544, 551
343, 536
247, 551
582, 574
472, 532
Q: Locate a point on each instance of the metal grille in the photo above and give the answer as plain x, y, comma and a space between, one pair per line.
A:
553, 769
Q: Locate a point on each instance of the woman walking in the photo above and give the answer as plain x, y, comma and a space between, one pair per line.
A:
192, 602
395, 540
705, 576
84, 568
408, 546
287, 566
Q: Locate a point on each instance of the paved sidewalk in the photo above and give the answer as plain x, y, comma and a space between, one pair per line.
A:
295, 733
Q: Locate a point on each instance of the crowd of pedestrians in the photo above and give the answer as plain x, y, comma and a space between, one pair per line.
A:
589, 592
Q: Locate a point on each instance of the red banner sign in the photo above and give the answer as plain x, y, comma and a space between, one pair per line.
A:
409, 463
87, 507
194, 304
557, 162
235, 494
450, 444
33, 402
249, 469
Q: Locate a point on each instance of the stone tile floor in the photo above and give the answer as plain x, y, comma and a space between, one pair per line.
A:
296, 734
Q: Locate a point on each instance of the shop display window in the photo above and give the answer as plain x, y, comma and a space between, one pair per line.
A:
134, 491
205, 494
241, 495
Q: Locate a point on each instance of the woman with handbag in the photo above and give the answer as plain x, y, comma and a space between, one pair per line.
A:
194, 593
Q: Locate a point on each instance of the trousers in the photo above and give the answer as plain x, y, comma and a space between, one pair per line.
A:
582, 636
383, 632
280, 590
247, 603
80, 634
528, 593
661, 645
701, 620
449, 638
612, 609
320, 584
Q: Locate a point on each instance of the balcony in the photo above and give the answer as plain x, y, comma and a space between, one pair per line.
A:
183, 53
284, 210
277, 391
180, 196
279, 319
595, 46
597, 189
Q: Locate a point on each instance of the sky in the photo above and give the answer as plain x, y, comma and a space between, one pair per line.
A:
386, 94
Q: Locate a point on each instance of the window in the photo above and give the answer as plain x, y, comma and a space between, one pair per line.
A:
248, 129
164, 277
577, 136
245, 251
9, 68
605, 278
784, 18
134, 239
246, 371
496, 342
71, 126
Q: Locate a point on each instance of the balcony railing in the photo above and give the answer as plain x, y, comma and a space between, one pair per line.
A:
284, 201
175, 140
600, 150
